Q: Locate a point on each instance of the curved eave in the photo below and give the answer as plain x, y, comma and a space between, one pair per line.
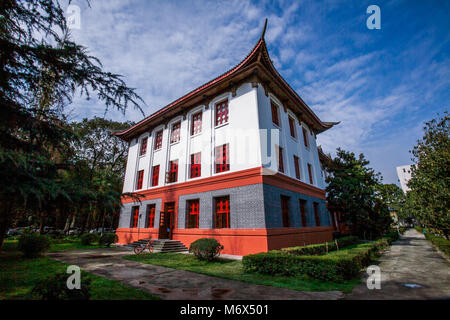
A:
321, 126
260, 47
124, 134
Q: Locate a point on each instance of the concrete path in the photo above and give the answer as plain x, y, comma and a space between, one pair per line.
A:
412, 261
177, 284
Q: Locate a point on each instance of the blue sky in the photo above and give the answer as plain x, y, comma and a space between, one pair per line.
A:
381, 84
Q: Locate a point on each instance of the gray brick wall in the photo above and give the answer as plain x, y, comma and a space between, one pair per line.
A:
274, 218
246, 207
125, 213
255, 206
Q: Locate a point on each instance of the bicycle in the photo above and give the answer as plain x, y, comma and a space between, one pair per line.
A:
140, 248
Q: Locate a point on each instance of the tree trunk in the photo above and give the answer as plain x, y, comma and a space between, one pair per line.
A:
5, 221
103, 220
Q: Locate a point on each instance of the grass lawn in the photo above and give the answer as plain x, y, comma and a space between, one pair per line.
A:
18, 276
231, 269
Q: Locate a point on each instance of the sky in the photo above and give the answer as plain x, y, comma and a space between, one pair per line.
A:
381, 84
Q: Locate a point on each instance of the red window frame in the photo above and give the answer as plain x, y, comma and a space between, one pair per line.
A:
221, 109
140, 179
143, 150
285, 211
303, 212
316, 213
196, 165
196, 125
158, 140
280, 160
151, 215
175, 132
274, 109
222, 212
135, 216
172, 174
155, 175
305, 137
297, 167
193, 210
310, 174
222, 155
292, 127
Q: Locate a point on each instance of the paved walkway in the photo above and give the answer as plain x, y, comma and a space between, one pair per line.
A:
412, 260
177, 284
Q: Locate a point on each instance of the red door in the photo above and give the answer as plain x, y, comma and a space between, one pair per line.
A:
166, 221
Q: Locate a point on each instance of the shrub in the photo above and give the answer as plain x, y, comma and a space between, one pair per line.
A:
440, 242
55, 288
392, 236
206, 248
402, 229
88, 238
318, 249
33, 244
107, 238
337, 266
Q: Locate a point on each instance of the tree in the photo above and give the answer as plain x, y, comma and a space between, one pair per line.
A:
431, 175
103, 156
41, 68
393, 197
352, 191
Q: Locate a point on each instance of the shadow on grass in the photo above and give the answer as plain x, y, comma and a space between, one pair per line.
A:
233, 270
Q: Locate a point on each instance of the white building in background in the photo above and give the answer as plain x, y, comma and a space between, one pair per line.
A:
404, 175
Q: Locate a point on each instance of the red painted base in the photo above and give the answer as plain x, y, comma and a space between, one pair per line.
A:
238, 241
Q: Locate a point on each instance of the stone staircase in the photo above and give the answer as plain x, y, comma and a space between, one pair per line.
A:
160, 245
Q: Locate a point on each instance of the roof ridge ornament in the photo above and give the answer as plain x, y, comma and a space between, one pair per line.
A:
264, 30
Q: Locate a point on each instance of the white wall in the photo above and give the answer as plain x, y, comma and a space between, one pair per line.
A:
404, 175
241, 133
291, 146
249, 124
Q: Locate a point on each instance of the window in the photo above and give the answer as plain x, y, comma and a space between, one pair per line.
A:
303, 212
193, 209
297, 167
310, 174
285, 210
274, 108
196, 125
172, 175
143, 146
222, 112
151, 216
316, 213
155, 175
280, 159
222, 212
305, 137
222, 158
292, 127
140, 179
158, 140
196, 166
175, 134
134, 217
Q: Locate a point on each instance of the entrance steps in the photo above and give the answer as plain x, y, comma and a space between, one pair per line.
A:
161, 245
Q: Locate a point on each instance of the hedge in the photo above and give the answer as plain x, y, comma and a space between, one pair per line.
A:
440, 242
336, 266
318, 249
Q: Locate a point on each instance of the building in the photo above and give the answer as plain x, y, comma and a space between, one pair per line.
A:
404, 175
235, 159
